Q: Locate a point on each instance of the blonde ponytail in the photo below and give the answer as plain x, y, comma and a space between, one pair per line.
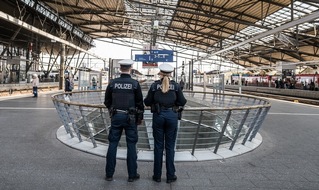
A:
165, 84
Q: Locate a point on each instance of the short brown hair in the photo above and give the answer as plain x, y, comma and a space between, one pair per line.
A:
125, 68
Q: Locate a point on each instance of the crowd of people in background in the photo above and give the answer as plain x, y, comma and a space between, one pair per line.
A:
286, 83
290, 83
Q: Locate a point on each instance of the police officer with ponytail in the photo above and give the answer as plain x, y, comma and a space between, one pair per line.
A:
124, 100
165, 97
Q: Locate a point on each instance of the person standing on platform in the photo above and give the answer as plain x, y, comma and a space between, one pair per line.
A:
35, 84
181, 84
124, 100
166, 100
68, 85
94, 83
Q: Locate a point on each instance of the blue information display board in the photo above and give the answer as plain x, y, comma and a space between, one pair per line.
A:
156, 56
163, 52
143, 57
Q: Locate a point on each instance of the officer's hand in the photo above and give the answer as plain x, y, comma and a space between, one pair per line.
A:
139, 122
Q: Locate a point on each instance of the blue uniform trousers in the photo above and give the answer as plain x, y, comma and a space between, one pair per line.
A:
35, 91
118, 123
164, 132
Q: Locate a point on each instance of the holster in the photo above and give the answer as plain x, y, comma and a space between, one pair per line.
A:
111, 112
179, 115
179, 112
155, 108
132, 116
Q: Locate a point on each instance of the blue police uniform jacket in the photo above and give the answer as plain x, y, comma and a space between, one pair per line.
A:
124, 93
174, 97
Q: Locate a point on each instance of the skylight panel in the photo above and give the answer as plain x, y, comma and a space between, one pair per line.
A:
144, 15
303, 7
267, 39
276, 19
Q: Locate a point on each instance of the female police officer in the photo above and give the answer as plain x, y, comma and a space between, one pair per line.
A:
124, 99
164, 96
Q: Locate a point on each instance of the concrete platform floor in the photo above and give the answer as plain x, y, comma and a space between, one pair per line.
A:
31, 157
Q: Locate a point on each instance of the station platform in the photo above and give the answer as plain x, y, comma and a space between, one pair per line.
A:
33, 158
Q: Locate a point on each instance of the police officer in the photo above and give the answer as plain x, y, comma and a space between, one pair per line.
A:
94, 83
124, 99
35, 84
68, 85
164, 96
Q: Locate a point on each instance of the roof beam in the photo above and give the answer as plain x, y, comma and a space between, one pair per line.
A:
201, 4
9, 18
273, 3
191, 11
237, 61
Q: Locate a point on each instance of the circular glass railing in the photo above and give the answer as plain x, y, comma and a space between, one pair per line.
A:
209, 120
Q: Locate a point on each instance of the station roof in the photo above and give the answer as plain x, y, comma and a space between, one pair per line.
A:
249, 33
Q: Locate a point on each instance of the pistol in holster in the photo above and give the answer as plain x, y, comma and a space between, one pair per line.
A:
179, 112
132, 116
111, 112
155, 108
